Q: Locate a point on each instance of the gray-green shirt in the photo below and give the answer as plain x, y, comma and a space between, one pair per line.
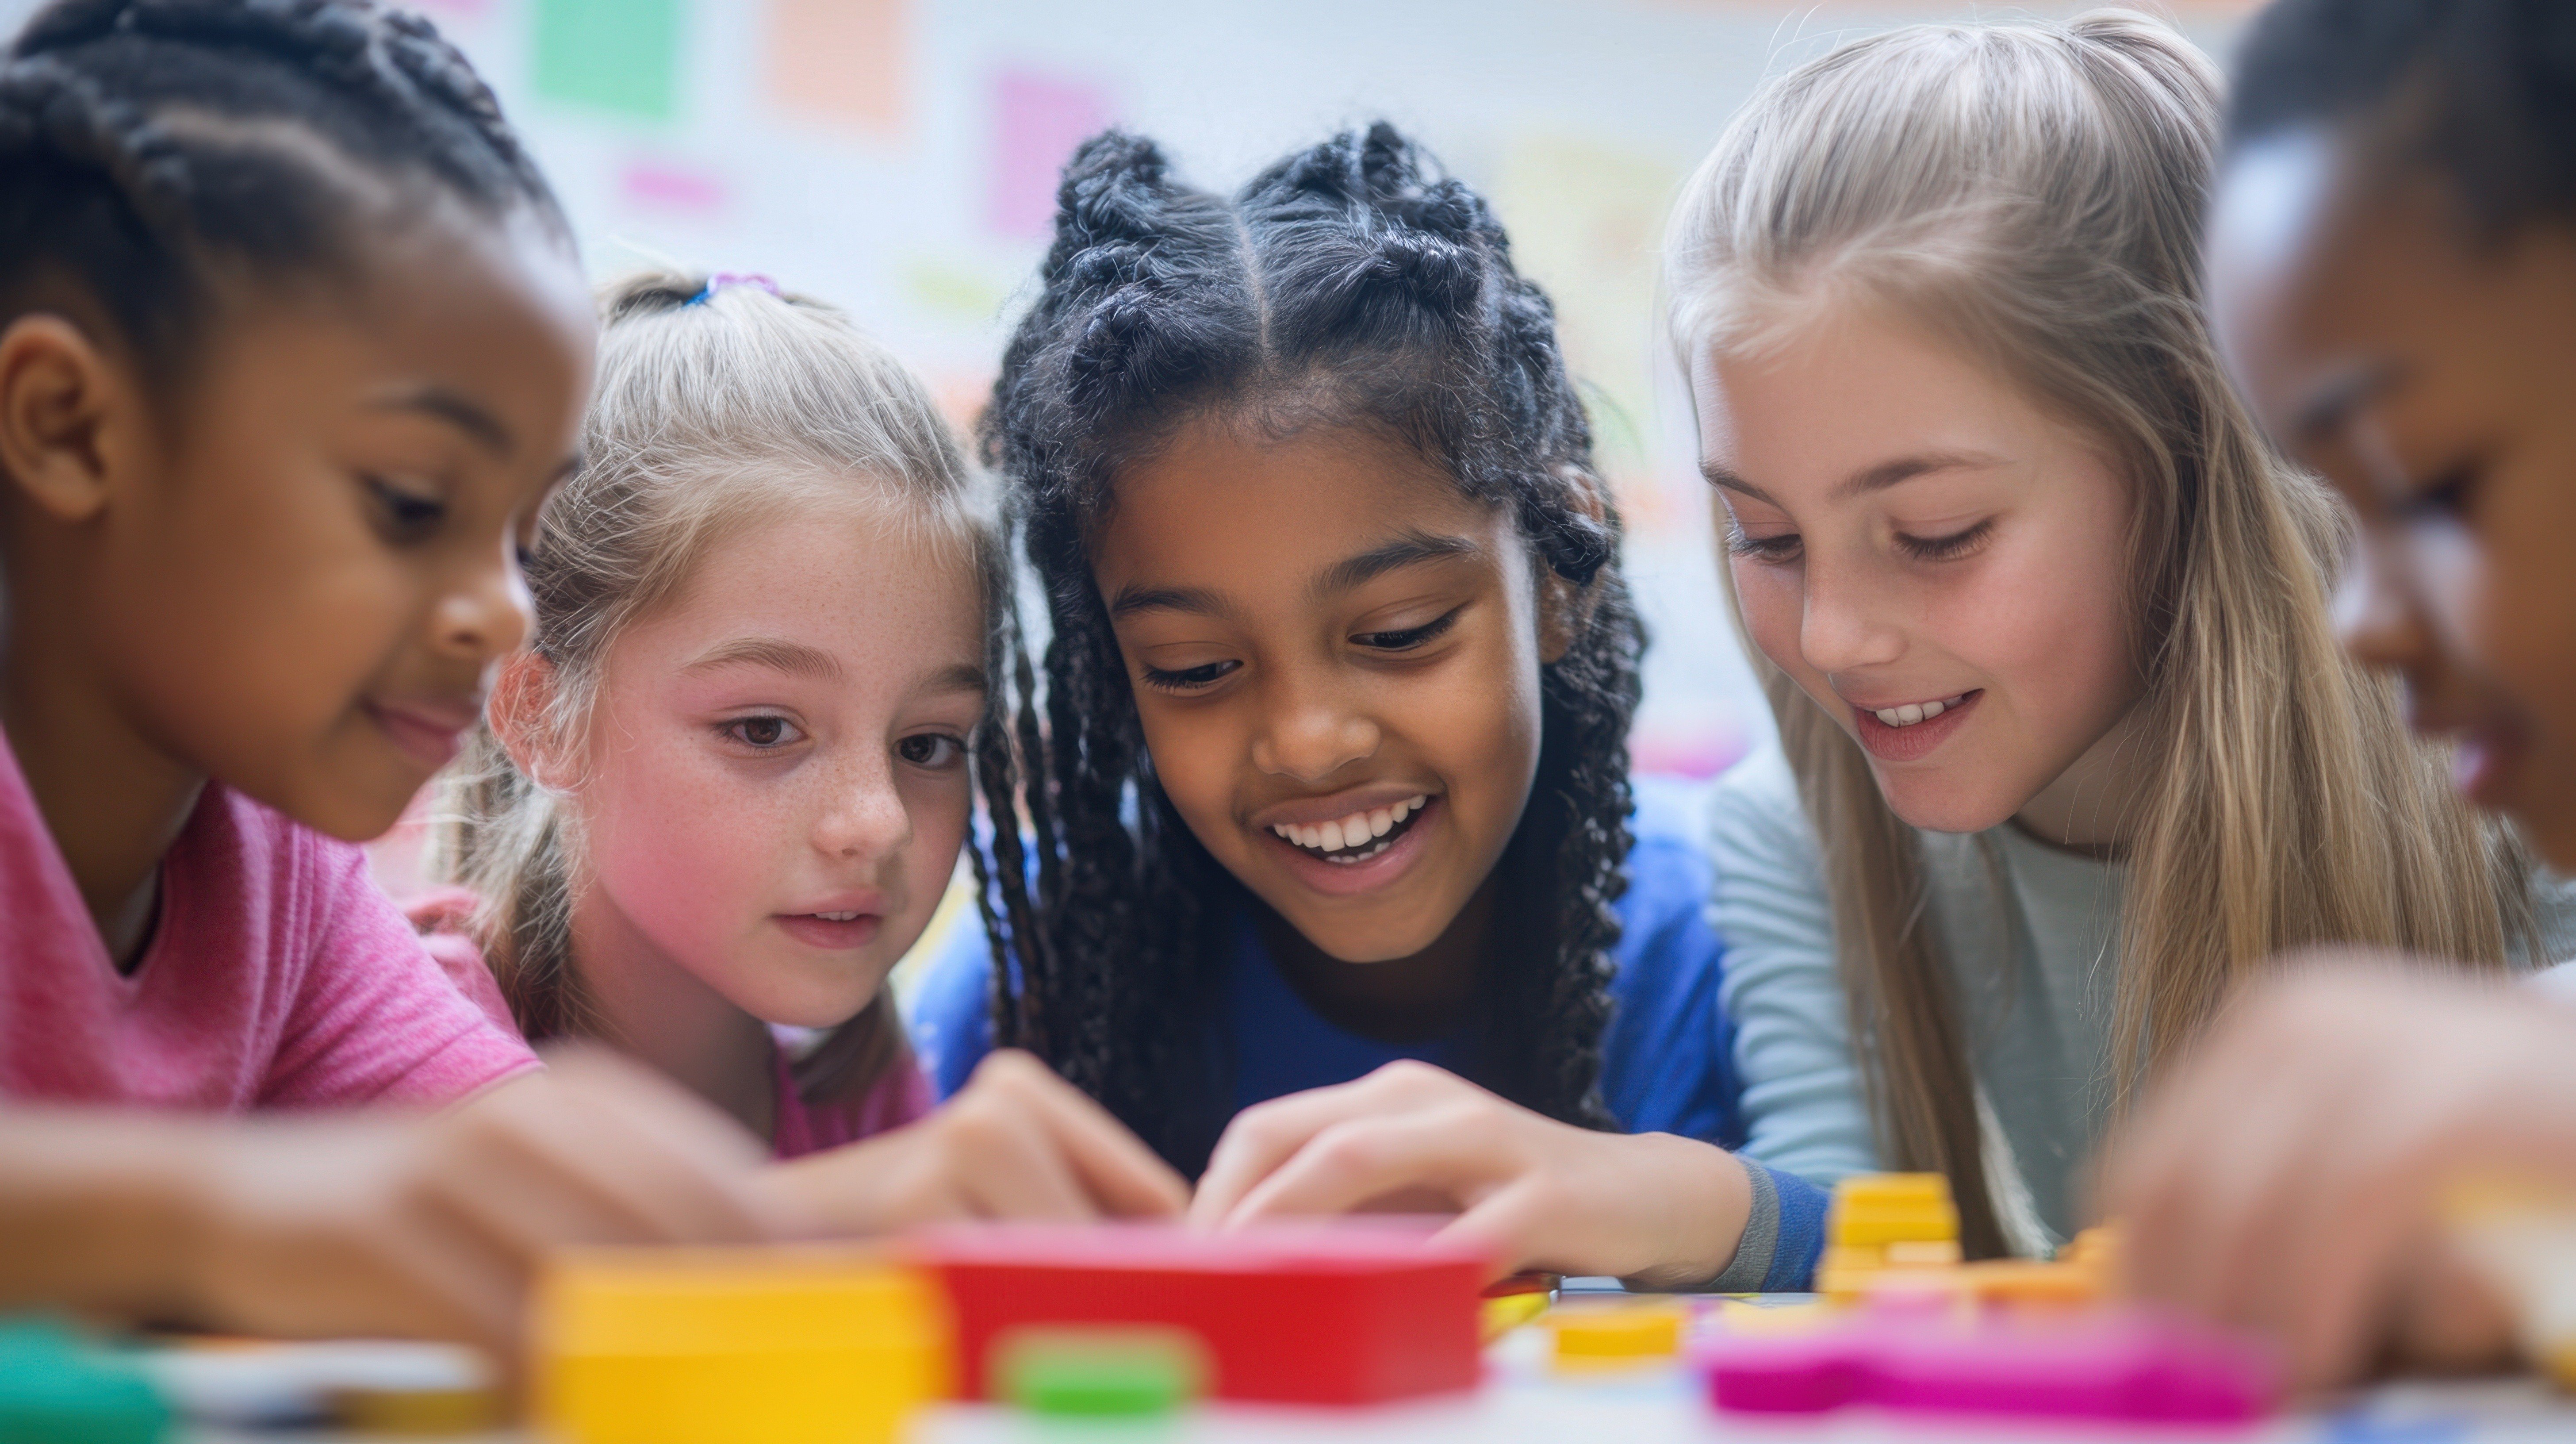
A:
2031, 934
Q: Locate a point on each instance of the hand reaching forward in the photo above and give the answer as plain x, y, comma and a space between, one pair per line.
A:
1534, 1193
2289, 1177
433, 1226
1016, 1142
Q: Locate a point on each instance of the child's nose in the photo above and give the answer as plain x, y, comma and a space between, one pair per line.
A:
1312, 740
485, 617
865, 815
2376, 612
1844, 624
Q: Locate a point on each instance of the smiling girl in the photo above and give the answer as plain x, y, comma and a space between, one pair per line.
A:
1329, 770
2067, 746
725, 787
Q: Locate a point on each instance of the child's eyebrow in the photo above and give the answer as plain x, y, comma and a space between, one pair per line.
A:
963, 677
2329, 406
1408, 549
456, 410
775, 652
1195, 601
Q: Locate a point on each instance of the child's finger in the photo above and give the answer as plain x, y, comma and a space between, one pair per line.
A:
1263, 1137
1122, 1176
1450, 1151
1007, 1166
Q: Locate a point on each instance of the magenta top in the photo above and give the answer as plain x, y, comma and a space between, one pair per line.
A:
277, 976
903, 1095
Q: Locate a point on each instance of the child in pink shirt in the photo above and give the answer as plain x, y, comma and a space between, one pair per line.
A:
725, 788
292, 345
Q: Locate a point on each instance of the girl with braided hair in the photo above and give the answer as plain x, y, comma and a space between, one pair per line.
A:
1331, 848
292, 345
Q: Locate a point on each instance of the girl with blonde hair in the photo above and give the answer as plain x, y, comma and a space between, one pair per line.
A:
725, 787
2067, 746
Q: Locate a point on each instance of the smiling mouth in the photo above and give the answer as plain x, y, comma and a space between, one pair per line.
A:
1355, 838
1915, 712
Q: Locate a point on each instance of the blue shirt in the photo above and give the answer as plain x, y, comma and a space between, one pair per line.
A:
1667, 1055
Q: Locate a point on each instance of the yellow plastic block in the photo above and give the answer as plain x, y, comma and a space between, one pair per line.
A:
1736, 1316
2027, 1283
1894, 1190
1509, 1312
1633, 1334
1923, 1254
735, 1346
1885, 1208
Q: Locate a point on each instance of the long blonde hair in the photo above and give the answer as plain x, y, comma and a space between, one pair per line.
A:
717, 407
2034, 192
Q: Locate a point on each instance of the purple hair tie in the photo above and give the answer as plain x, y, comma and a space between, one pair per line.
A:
722, 279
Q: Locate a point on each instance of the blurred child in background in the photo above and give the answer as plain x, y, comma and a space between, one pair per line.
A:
2393, 275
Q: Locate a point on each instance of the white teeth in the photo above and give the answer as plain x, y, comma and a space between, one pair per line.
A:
1913, 712
1344, 833
837, 917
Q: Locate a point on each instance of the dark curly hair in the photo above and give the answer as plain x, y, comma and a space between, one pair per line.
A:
2480, 93
150, 149
1350, 284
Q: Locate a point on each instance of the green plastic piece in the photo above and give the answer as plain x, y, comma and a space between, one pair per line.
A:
618, 56
1100, 1373
58, 1390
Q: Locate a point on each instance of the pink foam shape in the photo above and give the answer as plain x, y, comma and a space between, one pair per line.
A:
2130, 1367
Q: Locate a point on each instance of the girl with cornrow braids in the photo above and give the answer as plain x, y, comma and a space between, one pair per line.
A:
292, 345
1333, 885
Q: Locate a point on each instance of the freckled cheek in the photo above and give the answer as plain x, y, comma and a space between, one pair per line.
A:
1772, 606
2051, 630
939, 809
677, 836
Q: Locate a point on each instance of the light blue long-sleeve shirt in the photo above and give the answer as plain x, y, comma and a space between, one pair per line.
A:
2031, 935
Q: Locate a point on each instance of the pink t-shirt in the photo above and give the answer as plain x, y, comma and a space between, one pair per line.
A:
445, 915
897, 1099
278, 976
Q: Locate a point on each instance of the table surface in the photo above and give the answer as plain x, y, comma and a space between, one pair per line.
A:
1525, 1399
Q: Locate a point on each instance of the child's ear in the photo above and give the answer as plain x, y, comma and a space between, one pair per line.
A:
1563, 607
66, 414
522, 715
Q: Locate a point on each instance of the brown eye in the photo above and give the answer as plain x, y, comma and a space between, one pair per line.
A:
765, 733
930, 749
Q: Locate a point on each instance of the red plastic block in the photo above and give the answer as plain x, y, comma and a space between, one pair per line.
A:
2129, 1367
1297, 1314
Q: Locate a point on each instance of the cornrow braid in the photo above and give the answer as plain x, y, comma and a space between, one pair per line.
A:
144, 143
1348, 284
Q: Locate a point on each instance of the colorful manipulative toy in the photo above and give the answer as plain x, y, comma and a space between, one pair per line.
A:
1289, 1314
1917, 1330
735, 1346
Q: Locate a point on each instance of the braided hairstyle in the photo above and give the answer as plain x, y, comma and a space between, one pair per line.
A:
1349, 284
151, 150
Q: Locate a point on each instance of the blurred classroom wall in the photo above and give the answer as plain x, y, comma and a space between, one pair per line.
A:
898, 157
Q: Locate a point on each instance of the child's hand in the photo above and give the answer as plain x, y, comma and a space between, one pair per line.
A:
2290, 1178
1535, 1193
434, 1226
1015, 1142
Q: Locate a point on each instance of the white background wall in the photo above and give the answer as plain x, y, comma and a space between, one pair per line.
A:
895, 156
